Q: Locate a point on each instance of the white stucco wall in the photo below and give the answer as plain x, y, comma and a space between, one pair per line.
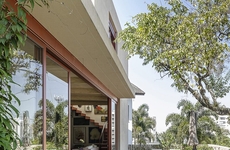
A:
104, 9
123, 124
123, 56
130, 105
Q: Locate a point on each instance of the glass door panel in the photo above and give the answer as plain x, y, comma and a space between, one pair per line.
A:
56, 106
27, 73
89, 115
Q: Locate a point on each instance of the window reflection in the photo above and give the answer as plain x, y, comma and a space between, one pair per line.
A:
27, 73
56, 106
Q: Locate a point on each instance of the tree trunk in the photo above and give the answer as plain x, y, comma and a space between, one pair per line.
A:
194, 147
193, 140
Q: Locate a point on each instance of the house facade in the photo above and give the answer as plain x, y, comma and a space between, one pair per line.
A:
74, 87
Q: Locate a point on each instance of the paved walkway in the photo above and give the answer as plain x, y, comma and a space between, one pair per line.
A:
218, 147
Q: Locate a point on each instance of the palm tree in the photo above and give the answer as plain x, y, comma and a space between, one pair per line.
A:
207, 129
222, 138
61, 126
56, 127
166, 140
38, 126
142, 125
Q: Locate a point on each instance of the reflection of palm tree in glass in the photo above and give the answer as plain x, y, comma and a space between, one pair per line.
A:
38, 126
56, 123
61, 125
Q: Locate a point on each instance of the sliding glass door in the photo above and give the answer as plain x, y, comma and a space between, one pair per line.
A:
27, 73
56, 106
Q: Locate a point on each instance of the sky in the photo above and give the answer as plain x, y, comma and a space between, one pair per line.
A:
161, 98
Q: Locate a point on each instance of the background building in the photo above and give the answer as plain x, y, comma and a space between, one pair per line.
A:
222, 121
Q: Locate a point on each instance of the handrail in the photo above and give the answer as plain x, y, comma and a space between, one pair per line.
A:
102, 130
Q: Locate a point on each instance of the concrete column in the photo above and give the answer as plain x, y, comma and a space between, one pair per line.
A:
122, 127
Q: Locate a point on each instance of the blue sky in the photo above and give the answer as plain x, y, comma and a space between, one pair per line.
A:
159, 95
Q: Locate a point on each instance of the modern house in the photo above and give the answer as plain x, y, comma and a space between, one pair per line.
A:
74, 86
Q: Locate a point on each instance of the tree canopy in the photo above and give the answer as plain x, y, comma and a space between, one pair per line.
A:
188, 42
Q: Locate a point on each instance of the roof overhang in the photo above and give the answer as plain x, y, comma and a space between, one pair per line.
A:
137, 90
76, 25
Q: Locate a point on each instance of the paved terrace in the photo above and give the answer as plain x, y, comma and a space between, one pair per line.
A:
218, 147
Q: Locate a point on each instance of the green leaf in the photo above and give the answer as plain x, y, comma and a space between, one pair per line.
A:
21, 2
2, 41
21, 14
32, 4
7, 123
10, 13
14, 27
8, 36
14, 42
6, 52
17, 100
14, 109
20, 38
2, 29
19, 28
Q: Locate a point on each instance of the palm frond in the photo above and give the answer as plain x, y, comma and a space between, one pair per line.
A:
173, 118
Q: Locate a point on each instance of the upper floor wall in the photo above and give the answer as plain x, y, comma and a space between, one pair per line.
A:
108, 16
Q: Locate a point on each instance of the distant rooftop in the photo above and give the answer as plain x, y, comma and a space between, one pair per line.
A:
137, 90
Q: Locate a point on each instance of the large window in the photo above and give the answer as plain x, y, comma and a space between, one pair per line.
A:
27, 73
56, 106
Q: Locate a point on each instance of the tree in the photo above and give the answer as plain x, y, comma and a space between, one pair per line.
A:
222, 138
61, 128
12, 36
208, 132
22, 62
56, 127
38, 122
178, 127
142, 125
192, 138
188, 42
166, 140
